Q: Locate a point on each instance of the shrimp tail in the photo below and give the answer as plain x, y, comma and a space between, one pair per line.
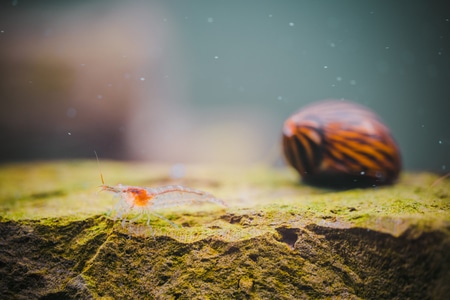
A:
175, 195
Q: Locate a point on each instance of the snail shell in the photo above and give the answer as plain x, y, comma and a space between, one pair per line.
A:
341, 144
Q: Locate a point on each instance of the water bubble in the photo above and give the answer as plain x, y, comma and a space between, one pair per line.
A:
177, 171
291, 24
210, 20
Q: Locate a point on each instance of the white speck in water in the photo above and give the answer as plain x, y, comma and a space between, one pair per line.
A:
440, 142
333, 85
387, 47
15, 2
109, 85
447, 19
291, 24
2, 31
165, 20
353, 82
142, 78
270, 16
279, 98
71, 112
325, 67
127, 75
216, 57
444, 167
30, 82
332, 45
362, 172
210, 20
423, 126
99, 96
339, 78
83, 65
439, 53
177, 171
69, 133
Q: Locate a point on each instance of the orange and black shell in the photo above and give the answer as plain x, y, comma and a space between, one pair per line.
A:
340, 144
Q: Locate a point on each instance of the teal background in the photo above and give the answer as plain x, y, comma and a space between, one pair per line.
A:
223, 60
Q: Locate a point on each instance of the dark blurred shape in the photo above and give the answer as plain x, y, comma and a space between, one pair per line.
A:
72, 74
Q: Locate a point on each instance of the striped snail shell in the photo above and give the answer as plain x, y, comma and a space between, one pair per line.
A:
340, 144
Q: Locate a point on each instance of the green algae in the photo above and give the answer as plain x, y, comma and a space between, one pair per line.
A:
70, 189
277, 239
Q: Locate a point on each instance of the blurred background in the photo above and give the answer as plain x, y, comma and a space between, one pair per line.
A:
183, 81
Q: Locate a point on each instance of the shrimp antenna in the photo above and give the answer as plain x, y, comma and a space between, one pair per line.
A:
99, 168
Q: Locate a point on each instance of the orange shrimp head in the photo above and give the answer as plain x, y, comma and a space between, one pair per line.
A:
133, 195
138, 196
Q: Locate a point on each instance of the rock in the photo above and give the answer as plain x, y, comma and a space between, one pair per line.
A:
278, 239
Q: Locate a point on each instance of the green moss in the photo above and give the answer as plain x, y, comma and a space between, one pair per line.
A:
277, 237
258, 197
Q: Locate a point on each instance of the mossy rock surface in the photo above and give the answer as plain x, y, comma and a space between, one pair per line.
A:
278, 239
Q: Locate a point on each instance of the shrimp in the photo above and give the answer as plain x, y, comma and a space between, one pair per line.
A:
147, 200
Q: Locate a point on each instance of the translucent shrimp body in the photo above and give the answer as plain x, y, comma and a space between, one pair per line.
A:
146, 200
